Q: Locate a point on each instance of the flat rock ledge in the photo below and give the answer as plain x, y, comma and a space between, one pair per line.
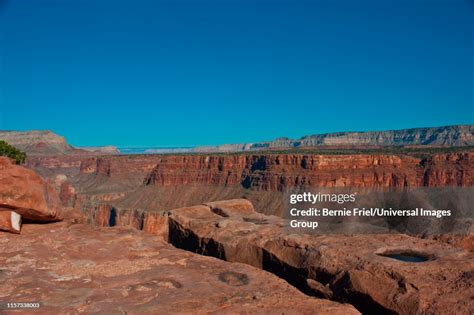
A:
74, 268
356, 269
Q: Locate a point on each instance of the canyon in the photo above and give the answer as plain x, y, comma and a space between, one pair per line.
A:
161, 182
69, 266
144, 233
255, 257
256, 264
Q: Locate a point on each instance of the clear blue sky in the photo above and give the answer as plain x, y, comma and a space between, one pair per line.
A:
180, 73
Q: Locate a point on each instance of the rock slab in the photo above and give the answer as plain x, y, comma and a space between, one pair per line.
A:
359, 269
74, 268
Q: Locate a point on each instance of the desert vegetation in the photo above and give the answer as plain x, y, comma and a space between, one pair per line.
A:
12, 152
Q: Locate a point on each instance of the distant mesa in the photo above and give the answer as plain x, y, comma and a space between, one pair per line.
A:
37, 141
447, 136
45, 142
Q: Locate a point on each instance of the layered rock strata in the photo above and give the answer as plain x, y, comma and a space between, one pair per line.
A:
271, 171
165, 182
458, 135
275, 172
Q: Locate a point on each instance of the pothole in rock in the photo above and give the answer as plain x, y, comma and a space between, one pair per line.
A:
407, 256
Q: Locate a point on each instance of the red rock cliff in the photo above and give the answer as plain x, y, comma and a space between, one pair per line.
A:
116, 166
278, 172
449, 170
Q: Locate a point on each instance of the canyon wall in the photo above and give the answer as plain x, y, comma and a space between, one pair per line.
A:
279, 172
114, 173
160, 182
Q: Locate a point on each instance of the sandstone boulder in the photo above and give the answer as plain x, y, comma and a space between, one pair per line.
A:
26, 193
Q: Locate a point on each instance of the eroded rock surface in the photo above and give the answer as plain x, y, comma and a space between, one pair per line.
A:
73, 268
356, 269
359, 269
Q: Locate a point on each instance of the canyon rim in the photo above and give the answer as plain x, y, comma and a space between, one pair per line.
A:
236, 157
230, 210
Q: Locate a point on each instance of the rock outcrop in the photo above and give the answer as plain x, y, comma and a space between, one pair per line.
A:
353, 269
26, 193
72, 268
356, 269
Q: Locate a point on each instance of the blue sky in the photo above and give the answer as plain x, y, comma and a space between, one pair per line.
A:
181, 73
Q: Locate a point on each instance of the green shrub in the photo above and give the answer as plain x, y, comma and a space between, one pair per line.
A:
12, 152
